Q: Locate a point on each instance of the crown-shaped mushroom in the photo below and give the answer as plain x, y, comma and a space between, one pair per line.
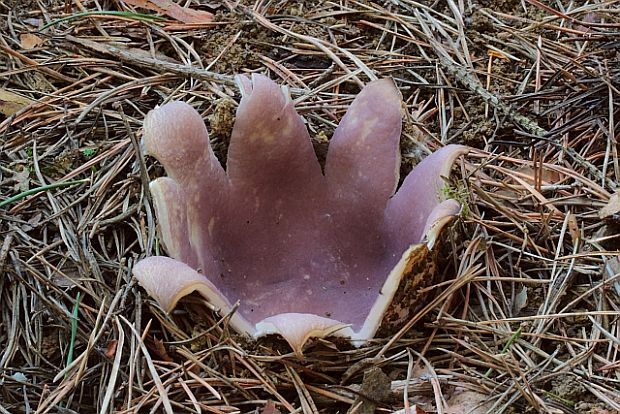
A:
305, 254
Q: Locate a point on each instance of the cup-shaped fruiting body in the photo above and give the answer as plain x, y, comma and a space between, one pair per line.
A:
305, 254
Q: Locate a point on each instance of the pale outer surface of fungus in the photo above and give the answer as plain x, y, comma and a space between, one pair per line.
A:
305, 254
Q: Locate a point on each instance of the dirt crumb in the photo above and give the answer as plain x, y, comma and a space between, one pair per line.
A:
223, 118
376, 388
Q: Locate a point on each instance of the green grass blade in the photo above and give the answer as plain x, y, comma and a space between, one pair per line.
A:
74, 324
39, 189
129, 15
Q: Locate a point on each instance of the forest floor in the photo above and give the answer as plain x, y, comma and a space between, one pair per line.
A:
528, 318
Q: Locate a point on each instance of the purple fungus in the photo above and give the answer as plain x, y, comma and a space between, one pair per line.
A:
305, 254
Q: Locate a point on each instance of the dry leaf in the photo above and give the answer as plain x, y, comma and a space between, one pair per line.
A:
573, 228
547, 176
270, 408
612, 267
10, 102
21, 176
111, 348
468, 402
612, 207
30, 41
173, 10
520, 301
160, 350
